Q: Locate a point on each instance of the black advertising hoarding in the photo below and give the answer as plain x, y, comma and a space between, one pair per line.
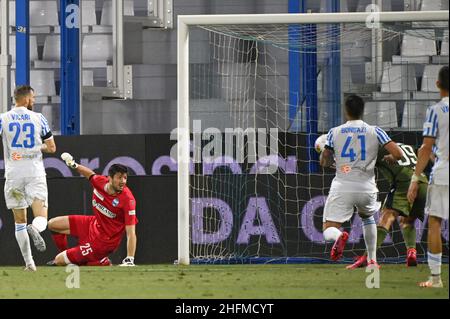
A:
272, 215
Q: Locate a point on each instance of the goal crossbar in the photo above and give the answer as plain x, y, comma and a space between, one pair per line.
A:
315, 18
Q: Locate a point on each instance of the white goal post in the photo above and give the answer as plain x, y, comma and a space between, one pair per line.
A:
183, 125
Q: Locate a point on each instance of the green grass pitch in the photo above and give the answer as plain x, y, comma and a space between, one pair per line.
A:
219, 281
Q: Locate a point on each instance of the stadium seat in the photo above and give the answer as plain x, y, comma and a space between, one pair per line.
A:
88, 12
419, 44
43, 13
324, 6
398, 78
363, 4
88, 78
382, 114
12, 13
33, 48
97, 47
107, 18
414, 114
434, 5
52, 48
444, 46
43, 82
346, 75
13, 82
430, 76
356, 45
47, 111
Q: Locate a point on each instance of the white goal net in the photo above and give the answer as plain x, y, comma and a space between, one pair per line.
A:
259, 96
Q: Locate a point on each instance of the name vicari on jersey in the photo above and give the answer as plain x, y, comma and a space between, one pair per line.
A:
20, 117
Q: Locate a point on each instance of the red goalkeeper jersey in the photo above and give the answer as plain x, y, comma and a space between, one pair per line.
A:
112, 212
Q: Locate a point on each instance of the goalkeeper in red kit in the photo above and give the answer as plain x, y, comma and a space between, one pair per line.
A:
99, 235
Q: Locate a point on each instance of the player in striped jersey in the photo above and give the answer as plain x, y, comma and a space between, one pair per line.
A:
435, 133
25, 136
354, 147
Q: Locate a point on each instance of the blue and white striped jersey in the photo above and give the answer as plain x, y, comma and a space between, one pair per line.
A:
23, 132
355, 146
436, 126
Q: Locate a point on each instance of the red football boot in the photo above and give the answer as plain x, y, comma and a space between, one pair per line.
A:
411, 257
338, 247
360, 262
373, 263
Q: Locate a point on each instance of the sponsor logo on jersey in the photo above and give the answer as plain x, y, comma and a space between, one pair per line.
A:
115, 202
102, 209
132, 212
346, 169
16, 156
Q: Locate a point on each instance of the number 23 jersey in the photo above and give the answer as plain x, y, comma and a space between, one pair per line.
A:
23, 132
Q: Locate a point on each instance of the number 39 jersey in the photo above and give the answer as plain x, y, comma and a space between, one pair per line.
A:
23, 132
355, 146
402, 170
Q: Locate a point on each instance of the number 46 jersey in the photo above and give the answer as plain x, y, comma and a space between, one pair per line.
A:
23, 132
355, 145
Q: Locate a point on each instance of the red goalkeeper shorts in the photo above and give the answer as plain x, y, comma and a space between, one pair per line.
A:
89, 248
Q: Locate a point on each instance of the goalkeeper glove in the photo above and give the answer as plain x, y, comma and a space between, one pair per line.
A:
128, 262
66, 157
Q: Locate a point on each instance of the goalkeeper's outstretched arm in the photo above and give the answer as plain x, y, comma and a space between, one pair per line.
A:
83, 170
86, 172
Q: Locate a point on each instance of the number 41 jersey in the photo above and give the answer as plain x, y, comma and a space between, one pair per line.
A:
355, 146
23, 132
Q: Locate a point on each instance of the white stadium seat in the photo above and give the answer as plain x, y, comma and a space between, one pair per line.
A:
88, 12
382, 114
13, 82
43, 82
12, 13
97, 47
363, 4
434, 5
398, 78
33, 48
107, 18
52, 48
444, 46
346, 76
88, 78
324, 6
430, 76
414, 114
356, 44
43, 13
417, 44
47, 111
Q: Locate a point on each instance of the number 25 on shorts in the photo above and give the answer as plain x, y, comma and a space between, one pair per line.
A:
86, 249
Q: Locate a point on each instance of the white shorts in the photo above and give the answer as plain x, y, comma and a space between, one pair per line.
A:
437, 201
340, 207
20, 193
